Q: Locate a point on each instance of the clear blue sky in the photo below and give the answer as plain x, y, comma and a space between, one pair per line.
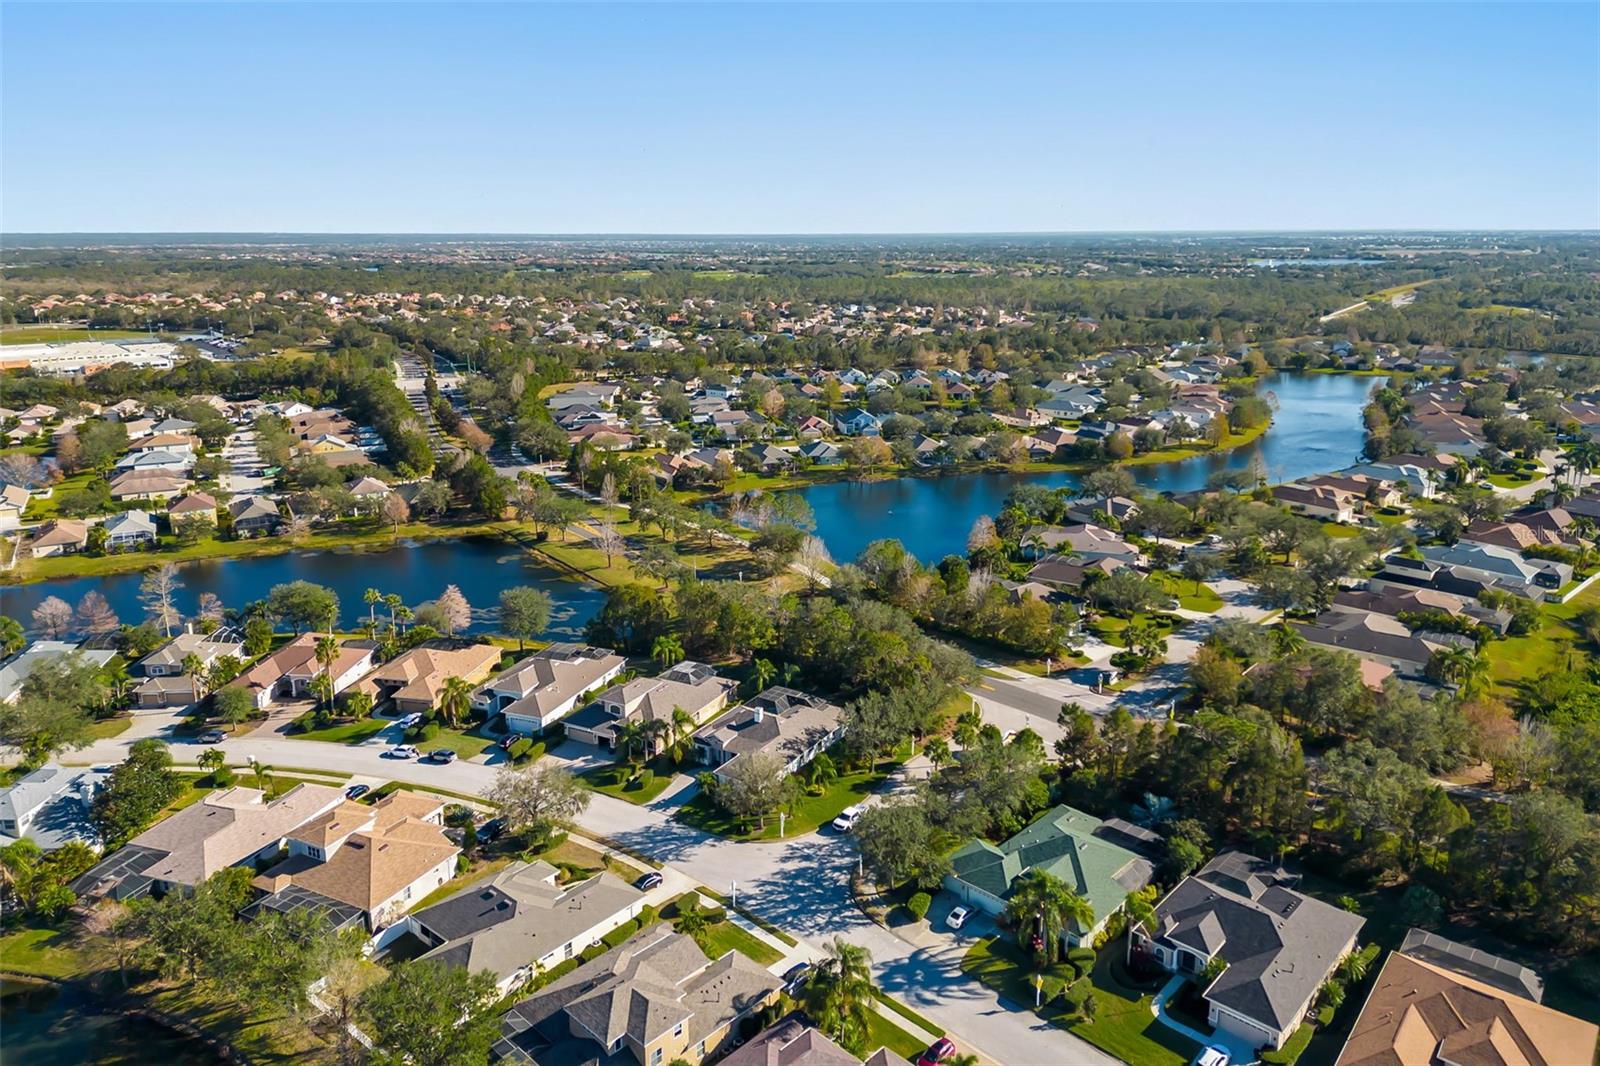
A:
788, 119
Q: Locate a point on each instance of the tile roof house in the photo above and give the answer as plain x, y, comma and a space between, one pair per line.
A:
1071, 571
193, 506
1436, 1002
253, 514
50, 806
1279, 944
288, 672
795, 726
165, 684
13, 502
793, 1042
415, 680
1083, 539
656, 994
523, 920
147, 485
693, 687
1075, 847
59, 536
1377, 637
129, 528
544, 687
379, 858
232, 828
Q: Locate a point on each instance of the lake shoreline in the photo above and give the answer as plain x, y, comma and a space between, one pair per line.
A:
126, 1006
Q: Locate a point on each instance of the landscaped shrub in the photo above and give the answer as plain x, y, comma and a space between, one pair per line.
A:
536, 751
918, 905
519, 748
223, 777
1082, 960
644, 780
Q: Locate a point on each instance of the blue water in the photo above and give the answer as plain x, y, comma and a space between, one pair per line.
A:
481, 567
1317, 428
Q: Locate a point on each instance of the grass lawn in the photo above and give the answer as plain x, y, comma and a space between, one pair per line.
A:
1516, 480
479, 871
881, 1032
721, 936
809, 813
106, 728
54, 335
616, 780
464, 742
41, 952
42, 508
261, 1035
1123, 1024
1340, 531
199, 786
1189, 597
1109, 627
1555, 646
352, 732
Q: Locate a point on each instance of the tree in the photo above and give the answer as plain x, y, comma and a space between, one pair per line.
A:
12, 636
838, 996
1045, 906
524, 613
257, 636
681, 733
232, 705
752, 787
537, 799
899, 843
395, 510
52, 709
53, 618
137, 790
455, 701
95, 615
156, 592
427, 1014
692, 918
303, 605
666, 650
761, 674
454, 610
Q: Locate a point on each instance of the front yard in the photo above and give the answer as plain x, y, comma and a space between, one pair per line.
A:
1123, 1022
809, 812
625, 782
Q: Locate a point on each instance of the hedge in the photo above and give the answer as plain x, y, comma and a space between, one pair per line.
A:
918, 905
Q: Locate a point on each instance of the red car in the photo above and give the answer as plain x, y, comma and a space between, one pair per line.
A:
940, 1050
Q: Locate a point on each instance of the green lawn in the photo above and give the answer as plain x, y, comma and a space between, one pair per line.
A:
722, 936
809, 813
54, 335
1123, 1024
1109, 627
1192, 596
618, 781
884, 1033
351, 732
41, 509
1340, 531
480, 871
106, 728
40, 952
1553, 647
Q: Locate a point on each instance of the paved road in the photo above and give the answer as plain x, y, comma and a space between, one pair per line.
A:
801, 884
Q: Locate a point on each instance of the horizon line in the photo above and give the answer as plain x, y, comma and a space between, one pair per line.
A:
1349, 231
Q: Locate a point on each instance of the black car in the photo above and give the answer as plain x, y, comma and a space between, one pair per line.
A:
357, 791
492, 830
442, 755
796, 975
211, 736
648, 881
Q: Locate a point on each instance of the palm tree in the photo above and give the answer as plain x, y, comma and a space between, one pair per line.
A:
654, 730
455, 701
1354, 967
692, 919
1043, 905
667, 651
322, 688
372, 597
630, 741
822, 772
393, 602
327, 650
762, 673
682, 730
938, 752
839, 995
192, 669
12, 637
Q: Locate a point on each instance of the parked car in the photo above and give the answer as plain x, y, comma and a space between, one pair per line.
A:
492, 830
441, 756
795, 976
1215, 1055
938, 1051
357, 791
957, 917
210, 736
847, 818
402, 751
409, 721
648, 881
506, 741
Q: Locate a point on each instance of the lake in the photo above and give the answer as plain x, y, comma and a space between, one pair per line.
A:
1317, 428
49, 1026
417, 571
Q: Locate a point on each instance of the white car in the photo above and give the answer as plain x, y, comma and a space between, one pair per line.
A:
847, 818
409, 720
1213, 1056
402, 751
957, 917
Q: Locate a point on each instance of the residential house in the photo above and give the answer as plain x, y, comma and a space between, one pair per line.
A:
1319, 501
811, 427
545, 687
236, 827
147, 485
656, 995
1515, 536
193, 507
381, 858
59, 536
50, 806
792, 1041
1379, 638
415, 680
1071, 571
858, 422
129, 529
165, 683
1279, 944
288, 672
767, 458
794, 726
1077, 848
1082, 539
13, 503
1502, 565
1375, 491
253, 515
1436, 1002
822, 453
19, 666
523, 920
691, 687
146, 462
369, 490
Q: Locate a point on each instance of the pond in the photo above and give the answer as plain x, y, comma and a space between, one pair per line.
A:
48, 1026
417, 571
1317, 428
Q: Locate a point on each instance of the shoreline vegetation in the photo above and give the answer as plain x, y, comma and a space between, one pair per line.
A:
566, 558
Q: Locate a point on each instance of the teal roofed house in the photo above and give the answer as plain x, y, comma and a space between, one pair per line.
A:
1102, 861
